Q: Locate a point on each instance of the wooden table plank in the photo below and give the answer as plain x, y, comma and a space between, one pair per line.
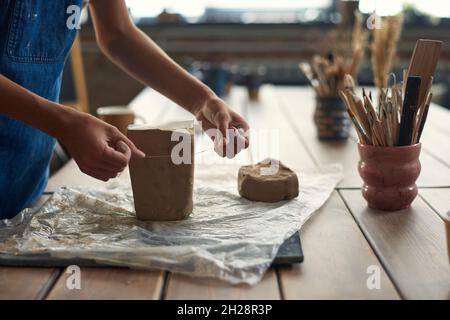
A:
111, 284
336, 260
27, 283
299, 105
436, 143
410, 244
150, 105
439, 118
186, 287
339, 269
70, 176
103, 283
438, 199
414, 254
266, 115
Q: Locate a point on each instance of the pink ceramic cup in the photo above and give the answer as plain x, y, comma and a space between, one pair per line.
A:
389, 175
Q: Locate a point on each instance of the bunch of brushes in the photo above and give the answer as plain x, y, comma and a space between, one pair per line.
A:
326, 74
399, 119
402, 110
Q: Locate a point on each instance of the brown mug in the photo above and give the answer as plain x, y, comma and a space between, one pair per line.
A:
389, 175
119, 116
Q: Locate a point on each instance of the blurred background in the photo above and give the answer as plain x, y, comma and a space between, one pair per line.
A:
245, 42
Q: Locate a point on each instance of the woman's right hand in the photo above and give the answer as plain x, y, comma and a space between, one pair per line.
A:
99, 149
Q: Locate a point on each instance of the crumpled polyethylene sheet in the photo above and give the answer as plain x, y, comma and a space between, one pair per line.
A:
225, 237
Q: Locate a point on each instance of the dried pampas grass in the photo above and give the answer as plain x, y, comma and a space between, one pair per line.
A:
359, 43
384, 48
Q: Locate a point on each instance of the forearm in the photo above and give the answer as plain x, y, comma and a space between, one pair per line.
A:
20, 104
138, 55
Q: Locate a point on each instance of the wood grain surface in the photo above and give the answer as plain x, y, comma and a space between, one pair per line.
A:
341, 241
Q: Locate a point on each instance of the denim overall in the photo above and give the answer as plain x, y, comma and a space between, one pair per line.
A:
34, 44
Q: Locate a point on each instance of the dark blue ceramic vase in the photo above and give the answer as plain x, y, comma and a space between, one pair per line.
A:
331, 119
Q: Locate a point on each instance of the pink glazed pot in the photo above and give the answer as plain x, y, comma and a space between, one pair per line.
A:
389, 175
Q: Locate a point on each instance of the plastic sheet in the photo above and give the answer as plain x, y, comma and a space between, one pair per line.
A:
225, 237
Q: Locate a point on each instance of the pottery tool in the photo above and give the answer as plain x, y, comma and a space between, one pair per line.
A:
402, 109
409, 111
423, 118
420, 113
424, 62
359, 130
395, 122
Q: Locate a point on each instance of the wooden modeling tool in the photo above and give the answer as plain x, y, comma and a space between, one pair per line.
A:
423, 63
423, 118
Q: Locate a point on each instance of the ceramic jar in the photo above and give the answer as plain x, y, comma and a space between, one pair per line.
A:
389, 175
331, 119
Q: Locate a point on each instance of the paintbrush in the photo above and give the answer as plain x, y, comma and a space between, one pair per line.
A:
389, 125
306, 69
359, 130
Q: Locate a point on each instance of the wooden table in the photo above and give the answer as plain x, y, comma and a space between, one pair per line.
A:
344, 242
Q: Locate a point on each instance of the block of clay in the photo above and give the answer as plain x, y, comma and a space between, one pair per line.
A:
267, 181
162, 187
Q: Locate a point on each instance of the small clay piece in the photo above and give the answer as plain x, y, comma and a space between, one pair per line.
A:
267, 181
162, 188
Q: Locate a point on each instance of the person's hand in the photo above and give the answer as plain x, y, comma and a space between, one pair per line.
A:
99, 149
228, 129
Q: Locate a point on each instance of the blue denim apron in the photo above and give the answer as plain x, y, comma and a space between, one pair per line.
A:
34, 44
